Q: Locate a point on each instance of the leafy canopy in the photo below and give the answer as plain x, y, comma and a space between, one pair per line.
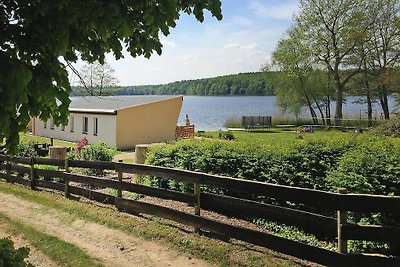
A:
38, 38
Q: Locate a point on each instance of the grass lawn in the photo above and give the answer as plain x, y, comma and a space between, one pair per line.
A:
40, 139
274, 135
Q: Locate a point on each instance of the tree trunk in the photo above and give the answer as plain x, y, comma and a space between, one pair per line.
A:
339, 101
320, 111
384, 103
369, 105
312, 111
369, 101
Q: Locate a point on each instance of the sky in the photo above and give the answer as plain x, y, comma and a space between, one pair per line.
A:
242, 41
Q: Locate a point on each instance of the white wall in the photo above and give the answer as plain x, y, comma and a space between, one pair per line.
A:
106, 129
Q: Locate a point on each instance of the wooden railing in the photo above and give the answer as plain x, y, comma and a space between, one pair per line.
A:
184, 132
318, 224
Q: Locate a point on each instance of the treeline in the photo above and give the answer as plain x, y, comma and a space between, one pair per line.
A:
258, 83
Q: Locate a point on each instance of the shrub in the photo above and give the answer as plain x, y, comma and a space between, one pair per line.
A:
95, 152
388, 128
98, 151
372, 168
26, 149
226, 135
9, 256
360, 163
302, 164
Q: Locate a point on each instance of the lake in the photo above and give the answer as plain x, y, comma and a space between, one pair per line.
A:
211, 112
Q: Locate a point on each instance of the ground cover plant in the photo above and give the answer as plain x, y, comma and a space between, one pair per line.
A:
9, 256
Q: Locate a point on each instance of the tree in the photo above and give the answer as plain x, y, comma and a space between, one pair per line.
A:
301, 84
96, 77
382, 54
334, 29
38, 37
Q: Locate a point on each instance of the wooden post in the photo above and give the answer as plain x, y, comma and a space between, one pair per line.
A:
66, 165
341, 219
66, 182
120, 180
32, 173
197, 205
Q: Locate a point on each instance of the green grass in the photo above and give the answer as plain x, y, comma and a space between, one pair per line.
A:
212, 250
40, 139
59, 251
274, 135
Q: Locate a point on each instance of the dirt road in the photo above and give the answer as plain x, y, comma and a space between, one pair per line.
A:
109, 246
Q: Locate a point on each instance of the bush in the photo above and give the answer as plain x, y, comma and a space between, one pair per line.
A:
372, 168
304, 164
26, 149
226, 135
388, 128
360, 163
94, 152
9, 256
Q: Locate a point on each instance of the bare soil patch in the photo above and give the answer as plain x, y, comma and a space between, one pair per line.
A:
110, 246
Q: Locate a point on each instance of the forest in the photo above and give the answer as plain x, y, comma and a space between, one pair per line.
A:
257, 83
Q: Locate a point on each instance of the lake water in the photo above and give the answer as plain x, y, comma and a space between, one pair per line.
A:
211, 112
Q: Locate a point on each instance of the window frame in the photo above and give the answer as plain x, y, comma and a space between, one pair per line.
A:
71, 123
95, 126
85, 125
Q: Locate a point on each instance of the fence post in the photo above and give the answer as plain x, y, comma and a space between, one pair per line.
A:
119, 193
66, 165
197, 204
32, 173
66, 182
341, 219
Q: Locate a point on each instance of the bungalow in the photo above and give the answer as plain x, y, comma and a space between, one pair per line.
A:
118, 121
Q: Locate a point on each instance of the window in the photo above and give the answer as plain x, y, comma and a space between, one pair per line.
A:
62, 127
95, 126
52, 124
85, 125
45, 124
71, 121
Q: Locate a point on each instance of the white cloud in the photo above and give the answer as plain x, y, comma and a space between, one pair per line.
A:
188, 57
168, 44
280, 11
230, 46
240, 21
253, 46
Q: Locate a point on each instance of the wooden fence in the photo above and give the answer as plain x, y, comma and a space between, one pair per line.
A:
184, 132
15, 169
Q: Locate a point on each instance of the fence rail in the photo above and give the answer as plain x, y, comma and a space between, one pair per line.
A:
320, 225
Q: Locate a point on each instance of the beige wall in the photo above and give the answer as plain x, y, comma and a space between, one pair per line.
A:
106, 129
148, 123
